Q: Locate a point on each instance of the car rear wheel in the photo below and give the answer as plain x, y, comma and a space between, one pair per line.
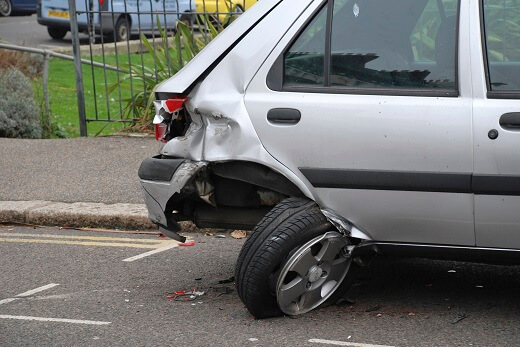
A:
56, 33
294, 261
6, 8
122, 30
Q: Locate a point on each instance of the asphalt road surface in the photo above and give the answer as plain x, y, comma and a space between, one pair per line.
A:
64, 288
25, 31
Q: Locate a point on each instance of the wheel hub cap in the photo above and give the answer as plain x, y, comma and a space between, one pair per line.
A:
315, 273
312, 273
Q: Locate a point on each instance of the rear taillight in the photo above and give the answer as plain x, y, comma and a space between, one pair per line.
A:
160, 131
101, 2
166, 112
173, 105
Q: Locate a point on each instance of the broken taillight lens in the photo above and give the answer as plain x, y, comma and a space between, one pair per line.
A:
166, 111
160, 131
173, 105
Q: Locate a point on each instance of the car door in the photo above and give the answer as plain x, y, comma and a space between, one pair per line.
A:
362, 101
497, 123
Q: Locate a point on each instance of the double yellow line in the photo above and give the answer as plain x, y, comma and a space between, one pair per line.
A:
97, 241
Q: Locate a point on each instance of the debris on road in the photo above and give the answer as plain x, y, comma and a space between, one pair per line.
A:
187, 244
239, 234
459, 318
220, 236
451, 271
183, 295
225, 281
223, 290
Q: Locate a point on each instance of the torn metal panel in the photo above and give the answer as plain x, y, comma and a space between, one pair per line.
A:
157, 194
345, 226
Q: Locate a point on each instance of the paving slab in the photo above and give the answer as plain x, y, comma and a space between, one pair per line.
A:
99, 169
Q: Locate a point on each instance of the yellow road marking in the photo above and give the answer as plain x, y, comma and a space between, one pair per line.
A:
91, 243
73, 237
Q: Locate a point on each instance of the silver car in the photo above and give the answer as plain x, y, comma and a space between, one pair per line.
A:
342, 129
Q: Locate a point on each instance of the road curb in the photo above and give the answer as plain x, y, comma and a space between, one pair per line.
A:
78, 214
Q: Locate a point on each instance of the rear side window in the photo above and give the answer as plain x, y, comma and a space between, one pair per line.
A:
502, 36
378, 44
304, 61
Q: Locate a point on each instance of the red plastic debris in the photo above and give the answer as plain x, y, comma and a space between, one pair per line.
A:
187, 244
162, 236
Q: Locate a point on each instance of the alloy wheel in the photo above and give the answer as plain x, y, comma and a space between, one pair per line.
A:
312, 273
5, 8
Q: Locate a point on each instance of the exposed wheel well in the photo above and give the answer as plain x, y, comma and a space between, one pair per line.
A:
234, 194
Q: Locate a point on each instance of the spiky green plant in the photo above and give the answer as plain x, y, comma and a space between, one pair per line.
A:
170, 54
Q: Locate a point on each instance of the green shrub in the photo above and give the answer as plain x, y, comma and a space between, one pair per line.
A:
170, 54
19, 114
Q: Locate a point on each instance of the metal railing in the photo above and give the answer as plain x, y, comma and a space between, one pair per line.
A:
137, 43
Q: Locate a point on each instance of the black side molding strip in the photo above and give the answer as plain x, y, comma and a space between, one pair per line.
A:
496, 185
388, 180
413, 181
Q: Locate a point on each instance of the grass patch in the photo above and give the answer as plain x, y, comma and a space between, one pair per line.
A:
63, 97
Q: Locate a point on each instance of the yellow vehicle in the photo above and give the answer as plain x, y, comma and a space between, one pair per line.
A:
224, 10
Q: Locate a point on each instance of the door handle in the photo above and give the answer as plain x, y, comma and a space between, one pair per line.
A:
284, 116
510, 120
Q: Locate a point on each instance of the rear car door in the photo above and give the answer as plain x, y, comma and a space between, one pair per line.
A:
497, 123
362, 100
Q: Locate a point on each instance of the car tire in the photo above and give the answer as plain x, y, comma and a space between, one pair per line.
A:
263, 265
6, 8
56, 33
122, 30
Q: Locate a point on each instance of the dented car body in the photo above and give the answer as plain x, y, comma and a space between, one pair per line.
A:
305, 118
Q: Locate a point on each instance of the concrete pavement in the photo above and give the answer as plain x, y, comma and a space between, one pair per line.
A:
81, 182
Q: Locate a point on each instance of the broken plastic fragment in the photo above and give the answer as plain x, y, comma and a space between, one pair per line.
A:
356, 10
459, 318
187, 244
238, 234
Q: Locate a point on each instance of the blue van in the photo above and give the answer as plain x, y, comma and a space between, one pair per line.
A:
114, 18
9, 7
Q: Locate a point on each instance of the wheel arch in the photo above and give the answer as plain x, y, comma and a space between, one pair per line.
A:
243, 189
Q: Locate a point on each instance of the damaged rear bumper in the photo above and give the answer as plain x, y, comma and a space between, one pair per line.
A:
162, 178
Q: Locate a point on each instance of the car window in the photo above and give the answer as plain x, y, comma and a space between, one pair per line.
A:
502, 33
304, 62
394, 44
424, 34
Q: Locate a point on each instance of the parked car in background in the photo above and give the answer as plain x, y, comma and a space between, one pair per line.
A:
343, 129
224, 11
9, 7
122, 18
